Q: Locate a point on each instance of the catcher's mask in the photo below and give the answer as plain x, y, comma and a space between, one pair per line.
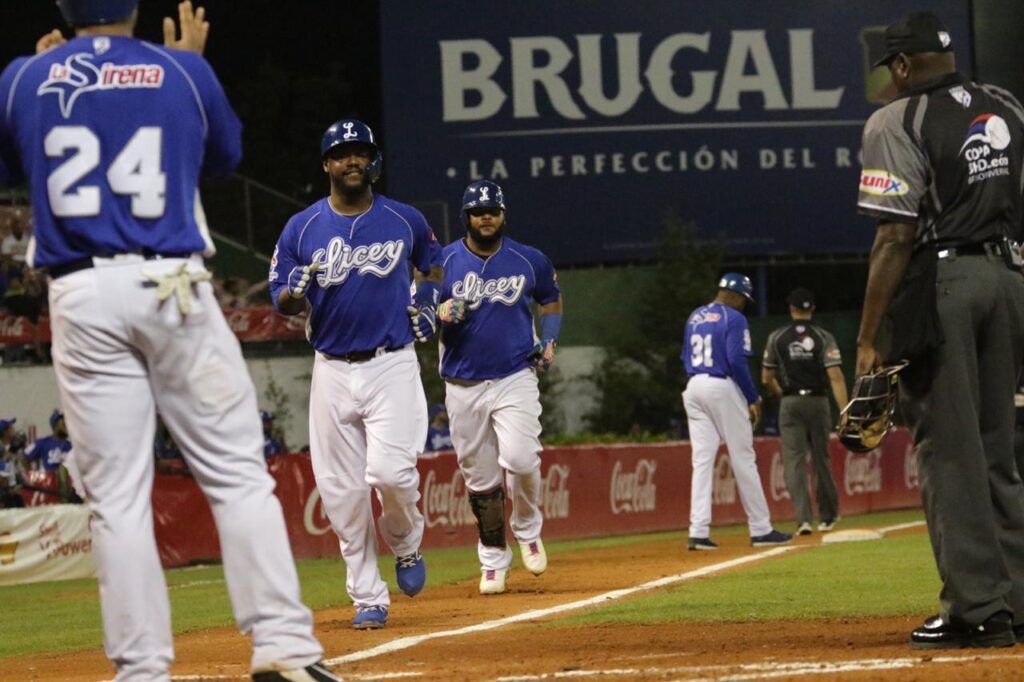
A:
868, 415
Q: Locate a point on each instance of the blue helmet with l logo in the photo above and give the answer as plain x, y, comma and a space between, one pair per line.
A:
482, 194
95, 12
349, 130
734, 281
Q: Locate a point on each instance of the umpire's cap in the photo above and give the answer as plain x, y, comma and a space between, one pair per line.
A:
349, 130
734, 281
915, 33
95, 12
801, 298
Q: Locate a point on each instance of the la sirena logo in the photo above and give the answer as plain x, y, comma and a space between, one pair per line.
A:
635, 491
79, 75
777, 478
723, 487
863, 473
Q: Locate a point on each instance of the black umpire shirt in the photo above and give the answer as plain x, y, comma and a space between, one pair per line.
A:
946, 155
801, 352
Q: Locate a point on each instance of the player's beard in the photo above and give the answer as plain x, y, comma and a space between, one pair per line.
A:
342, 187
486, 241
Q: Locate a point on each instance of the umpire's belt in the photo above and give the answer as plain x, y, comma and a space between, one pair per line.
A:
63, 269
817, 392
977, 249
363, 355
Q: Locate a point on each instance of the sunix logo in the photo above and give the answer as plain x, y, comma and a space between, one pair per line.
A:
79, 75
882, 183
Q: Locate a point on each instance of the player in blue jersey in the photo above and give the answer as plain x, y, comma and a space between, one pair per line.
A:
490, 355
112, 134
50, 452
722, 405
350, 257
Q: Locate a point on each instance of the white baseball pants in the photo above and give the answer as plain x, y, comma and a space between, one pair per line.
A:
367, 425
120, 355
495, 427
717, 411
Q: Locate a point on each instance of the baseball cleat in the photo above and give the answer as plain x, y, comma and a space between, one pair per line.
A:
318, 672
936, 633
805, 529
701, 543
828, 525
370, 617
492, 581
534, 557
770, 539
411, 573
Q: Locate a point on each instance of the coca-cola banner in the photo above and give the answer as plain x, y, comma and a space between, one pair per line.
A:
248, 324
587, 491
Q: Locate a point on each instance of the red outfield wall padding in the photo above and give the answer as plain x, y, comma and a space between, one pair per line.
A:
588, 491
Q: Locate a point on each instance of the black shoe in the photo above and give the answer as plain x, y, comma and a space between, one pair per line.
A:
1018, 632
701, 543
935, 633
318, 672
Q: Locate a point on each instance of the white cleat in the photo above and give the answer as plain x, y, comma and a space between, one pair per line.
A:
492, 581
534, 557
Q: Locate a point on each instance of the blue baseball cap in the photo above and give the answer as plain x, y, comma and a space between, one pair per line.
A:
55, 417
5, 423
734, 281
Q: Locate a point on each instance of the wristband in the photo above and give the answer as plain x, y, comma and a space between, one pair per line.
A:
550, 325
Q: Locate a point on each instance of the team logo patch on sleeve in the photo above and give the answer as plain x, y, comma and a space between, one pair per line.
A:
882, 183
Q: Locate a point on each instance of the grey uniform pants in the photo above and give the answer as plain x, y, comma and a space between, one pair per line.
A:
963, 424
805, 423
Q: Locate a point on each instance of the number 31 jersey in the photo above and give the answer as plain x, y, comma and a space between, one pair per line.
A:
112, 133
718, 343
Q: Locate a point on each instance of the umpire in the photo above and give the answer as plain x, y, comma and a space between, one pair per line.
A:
942, 174
801, 361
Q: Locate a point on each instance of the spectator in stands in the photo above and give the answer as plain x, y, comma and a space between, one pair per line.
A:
439, 436
15, 244
11, 469
236, 292
273, 440
49, 453
25, 296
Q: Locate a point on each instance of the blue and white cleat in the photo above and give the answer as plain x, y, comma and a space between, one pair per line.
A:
411, 573
370, 617
770, 539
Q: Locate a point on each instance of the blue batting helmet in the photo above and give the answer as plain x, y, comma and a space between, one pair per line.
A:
55, 417
482, 194
350, 130
95, 12
734, 281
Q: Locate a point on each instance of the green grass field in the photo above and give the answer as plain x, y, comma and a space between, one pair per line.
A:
890, 577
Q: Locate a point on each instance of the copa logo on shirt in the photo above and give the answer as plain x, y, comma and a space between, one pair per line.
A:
474, 289
339, 259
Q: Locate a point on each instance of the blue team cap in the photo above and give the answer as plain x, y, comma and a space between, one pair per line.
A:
55, 417
95, 12
734, 281
5, 423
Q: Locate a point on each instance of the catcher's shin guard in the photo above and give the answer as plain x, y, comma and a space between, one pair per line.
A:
489, 510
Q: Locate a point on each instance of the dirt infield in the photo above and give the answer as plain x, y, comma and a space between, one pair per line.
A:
858, 649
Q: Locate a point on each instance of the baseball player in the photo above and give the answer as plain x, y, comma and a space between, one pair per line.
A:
349, 257
722, 404
50, 452
271, 444
112, 133
490, 356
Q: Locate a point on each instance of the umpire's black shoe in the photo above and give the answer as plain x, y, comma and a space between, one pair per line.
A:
935, 633
318, 672
1018, 632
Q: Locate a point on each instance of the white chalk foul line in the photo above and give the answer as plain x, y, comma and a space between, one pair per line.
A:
766, 670
350, 676
407, 642
901, 526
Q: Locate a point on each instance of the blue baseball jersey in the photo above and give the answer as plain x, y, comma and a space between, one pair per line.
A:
359, 296
718, 343
497, 336
48, 453
272, 446
112, 134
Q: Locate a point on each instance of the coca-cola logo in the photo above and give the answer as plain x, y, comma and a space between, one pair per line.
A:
12, 326
723, 487
314, 519
863, 473
634, 491
910, 476
777, 478
446, 503
554, 500
239, 321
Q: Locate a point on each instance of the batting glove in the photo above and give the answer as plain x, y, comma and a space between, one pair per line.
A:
542, 355
452, 311
424, 322
299, 279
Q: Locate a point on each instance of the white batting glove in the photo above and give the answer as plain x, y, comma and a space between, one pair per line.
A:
299, 279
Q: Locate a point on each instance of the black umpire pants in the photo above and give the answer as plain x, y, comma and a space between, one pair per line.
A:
805, 423
959, 405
